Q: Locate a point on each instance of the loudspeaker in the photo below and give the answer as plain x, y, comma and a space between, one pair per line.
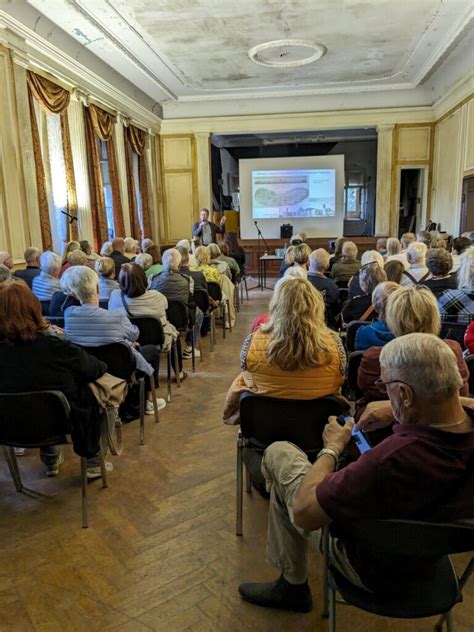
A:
286, 231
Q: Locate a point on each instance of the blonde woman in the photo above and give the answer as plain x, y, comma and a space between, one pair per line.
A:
409, 310
203, 257
288, 261
69, 247
105, 268
294, 355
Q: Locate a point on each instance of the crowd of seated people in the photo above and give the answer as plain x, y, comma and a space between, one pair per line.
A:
94, 297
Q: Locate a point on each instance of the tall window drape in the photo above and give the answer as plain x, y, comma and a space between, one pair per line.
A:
135, 147
53, 160
100, 143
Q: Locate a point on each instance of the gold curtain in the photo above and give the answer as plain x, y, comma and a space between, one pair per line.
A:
99, 216
54, 100
137, 139
102, 122
46, 236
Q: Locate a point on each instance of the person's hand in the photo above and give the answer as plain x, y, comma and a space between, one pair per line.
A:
135, 345
336, 436
202, 224
223, 220
376, 415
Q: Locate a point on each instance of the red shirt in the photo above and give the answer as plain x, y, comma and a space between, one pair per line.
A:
418, 473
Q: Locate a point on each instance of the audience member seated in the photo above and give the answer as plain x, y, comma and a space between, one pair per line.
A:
294, 355
5, 273
105, 268
302, 254
231, 262
460, 245
394, 270
106, 249
211, 274
337, 256
32, 269
185, 243
130, 248
439, 262
296, 271
348, 265
409, 310
394, 252
74, 258
117, 254
156, 267
417, 272
32, 359
87, 250
438, 243
146, 243
406, 239
135, 299
288, 260
424, 237
422, 471
369, 256
60, 301
180, 288
145, 261
216, 261
381, 246
361, 307
235, 251
318, 264
91, 326
377, 334
199, 279
47, 282
458, 305
69, 247
6, 260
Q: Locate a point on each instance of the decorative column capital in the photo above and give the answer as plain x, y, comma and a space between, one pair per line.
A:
123, 119
385, 128
80, 96
20, 58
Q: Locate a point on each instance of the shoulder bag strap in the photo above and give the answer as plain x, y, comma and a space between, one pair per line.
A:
129, 314
367, 313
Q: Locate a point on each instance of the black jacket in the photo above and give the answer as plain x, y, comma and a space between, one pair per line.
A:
197, 231
119, 259
28, 274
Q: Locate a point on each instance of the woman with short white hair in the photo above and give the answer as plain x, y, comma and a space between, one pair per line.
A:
417, 272
89, 325
145, 261
130, 248
106, 249
369, 256
47, 282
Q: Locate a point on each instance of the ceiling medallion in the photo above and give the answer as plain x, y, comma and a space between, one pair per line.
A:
286, 53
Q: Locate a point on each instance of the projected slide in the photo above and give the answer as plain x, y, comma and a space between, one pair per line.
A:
293, 193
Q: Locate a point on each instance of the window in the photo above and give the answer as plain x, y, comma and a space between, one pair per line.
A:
109, 207
355, 196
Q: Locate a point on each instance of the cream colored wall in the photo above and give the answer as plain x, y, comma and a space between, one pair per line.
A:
453, 160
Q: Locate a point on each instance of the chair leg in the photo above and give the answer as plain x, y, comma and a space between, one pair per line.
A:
223, 318
246, 288
141, 382
168, 375
13, 467
325, 552
212, 338
248, 481
176, 364
332, 610
239, 489
103, 471
201, 357
228, 312
153, 394
85, 516
193, 351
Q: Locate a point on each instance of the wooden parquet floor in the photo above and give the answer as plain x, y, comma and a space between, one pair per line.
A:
160, 553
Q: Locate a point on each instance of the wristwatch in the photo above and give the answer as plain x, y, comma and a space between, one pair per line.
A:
330, 452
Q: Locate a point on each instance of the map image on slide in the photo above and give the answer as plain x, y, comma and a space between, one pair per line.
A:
294, 193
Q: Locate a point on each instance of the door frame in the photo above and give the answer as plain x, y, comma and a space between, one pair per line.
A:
421, 219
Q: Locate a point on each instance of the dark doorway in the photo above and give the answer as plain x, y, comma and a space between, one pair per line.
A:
410, 202
467, 205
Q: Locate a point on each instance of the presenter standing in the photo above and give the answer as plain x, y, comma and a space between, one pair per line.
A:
206, 230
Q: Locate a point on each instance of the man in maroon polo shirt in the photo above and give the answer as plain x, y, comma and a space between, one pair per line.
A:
423, 471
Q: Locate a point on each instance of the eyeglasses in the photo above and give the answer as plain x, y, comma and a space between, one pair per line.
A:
382, 386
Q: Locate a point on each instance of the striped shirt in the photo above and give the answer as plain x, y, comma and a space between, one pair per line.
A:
44, 286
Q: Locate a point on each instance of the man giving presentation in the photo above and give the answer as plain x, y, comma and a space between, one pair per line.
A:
206, 230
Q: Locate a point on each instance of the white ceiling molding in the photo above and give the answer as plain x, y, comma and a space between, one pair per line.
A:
127, 36
43, 55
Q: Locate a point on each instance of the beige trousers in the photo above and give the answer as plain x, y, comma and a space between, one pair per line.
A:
284, 466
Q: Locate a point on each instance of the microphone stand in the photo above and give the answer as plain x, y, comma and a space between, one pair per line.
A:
261, 280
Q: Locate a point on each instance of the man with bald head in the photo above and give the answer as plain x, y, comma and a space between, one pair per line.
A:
117, 254
6, 259
206, 230
32, 269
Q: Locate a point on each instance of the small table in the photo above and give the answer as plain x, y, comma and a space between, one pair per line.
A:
262, 269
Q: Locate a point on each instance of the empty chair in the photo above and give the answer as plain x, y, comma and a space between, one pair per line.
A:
179, 315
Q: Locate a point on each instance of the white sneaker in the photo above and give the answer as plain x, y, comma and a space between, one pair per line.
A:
53, 470
149, 409
19, 451
94, 472
189, 354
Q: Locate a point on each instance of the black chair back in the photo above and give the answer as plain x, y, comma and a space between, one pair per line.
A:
34, 419
56, 320
453, 331
104, 303
151, 330
351, 331
45, 307
353, 364
178, 315
201, 298
118, 357
343, 295
264, 420
342, 284
470, 365
214, 291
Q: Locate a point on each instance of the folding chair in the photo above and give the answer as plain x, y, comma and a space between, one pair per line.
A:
264, 420
215, 292
419, 579
351, 331
453, 331
353, 364
38, 419
179, 315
